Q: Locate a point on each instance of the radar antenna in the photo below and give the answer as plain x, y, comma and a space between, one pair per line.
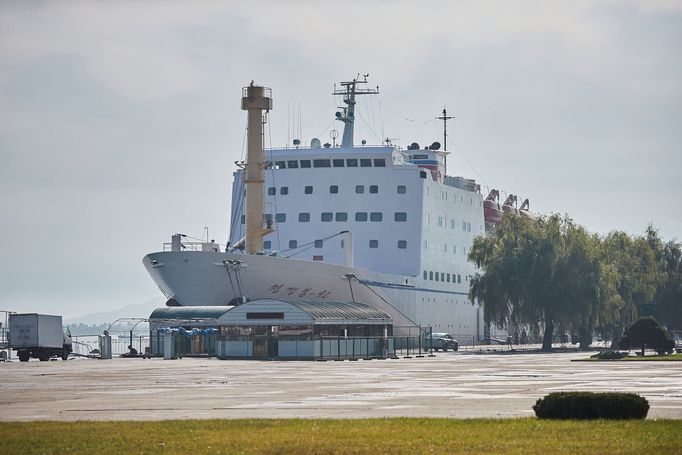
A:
349, 90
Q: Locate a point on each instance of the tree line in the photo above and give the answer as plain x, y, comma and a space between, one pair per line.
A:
551, 273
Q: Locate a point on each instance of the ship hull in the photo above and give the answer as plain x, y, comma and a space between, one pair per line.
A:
212, 278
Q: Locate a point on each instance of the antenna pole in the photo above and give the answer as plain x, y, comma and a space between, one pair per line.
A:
445, 119
349, 90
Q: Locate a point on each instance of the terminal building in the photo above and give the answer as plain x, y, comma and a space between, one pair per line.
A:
274, 329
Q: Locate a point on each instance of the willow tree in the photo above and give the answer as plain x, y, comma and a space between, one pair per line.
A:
517, 281
638, 275
668, 299
546, 272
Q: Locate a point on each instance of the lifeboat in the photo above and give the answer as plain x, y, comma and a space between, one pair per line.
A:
524, 210
492, 212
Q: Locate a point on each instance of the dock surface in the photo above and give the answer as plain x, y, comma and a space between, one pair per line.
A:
459, 385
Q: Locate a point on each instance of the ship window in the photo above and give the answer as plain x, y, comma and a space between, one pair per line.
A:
440, 221
422, 174
426, 244
293, 244
267, 216
445, 247
468, 227
402, 244
333, 189
308, 189
420, 157
341, 216
431, 275
459, 278
318, 243
280, 164
359, 189
292, 164
243, 219
337, 163
284, 190
304, 217
365, 162
402, 189
281, 217
447, 277
452, 224
379, 162
360, 216
400, 216
426, 274
327, 216
352, 162
322, 163
376, 216
374, 189
374, 244
454, 249
305, 163
271, 191
437, 276
442, 276
267, 245
464, 226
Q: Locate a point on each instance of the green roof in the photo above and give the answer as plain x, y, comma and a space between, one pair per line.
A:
189, 312
339, 310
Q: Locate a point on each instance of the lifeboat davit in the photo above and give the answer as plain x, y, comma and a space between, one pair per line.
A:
509, 205
524, 210
492, 211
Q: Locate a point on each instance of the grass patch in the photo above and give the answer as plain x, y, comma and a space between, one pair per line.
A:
632, 358
401, 435
668, 357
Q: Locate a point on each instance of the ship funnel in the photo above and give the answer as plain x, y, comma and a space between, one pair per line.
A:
255, 100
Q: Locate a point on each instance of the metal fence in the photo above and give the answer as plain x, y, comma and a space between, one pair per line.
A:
88, 345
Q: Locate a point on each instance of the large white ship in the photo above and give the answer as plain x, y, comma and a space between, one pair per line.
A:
373, 224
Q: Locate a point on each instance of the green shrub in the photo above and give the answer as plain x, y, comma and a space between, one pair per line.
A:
646, 332
610, 355
589, 405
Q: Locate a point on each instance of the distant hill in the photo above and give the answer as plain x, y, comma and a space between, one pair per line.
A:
140, 310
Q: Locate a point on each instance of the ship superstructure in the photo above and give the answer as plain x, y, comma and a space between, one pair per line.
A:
375, 224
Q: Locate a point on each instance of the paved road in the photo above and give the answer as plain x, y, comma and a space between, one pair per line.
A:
449, 385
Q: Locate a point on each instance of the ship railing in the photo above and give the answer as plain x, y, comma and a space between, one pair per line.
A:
196, 246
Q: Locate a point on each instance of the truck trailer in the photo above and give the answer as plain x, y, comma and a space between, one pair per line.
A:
39, 336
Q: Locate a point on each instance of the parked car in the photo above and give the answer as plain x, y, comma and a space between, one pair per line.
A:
442, 341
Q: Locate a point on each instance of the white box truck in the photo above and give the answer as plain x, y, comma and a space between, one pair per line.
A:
39, 336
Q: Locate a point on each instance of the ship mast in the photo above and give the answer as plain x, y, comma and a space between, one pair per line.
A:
445, 119
348, 90
255, 100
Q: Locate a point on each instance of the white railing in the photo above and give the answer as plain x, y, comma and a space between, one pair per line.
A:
196, 246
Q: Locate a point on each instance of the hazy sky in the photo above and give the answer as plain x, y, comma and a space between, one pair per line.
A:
120, 121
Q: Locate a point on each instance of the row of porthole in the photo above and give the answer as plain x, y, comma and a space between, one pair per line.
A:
326, 217
325, 163
444, 277
334, 189
267, 244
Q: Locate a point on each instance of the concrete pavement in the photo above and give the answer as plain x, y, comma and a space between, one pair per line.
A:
460, 385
